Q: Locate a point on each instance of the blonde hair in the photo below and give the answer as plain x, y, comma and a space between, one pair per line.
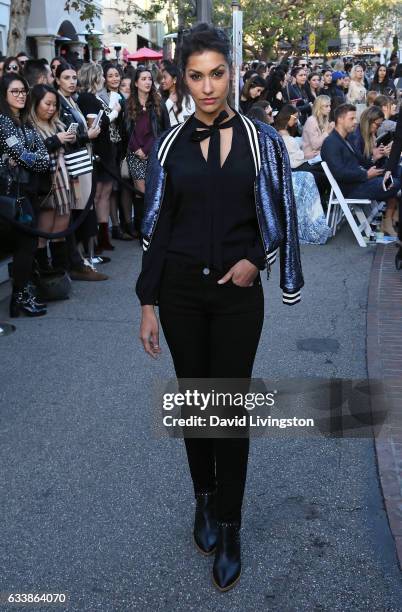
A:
89, 77
322, 120
353, 74
367, 118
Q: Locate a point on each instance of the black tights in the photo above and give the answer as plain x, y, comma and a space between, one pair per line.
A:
23, 248
212, 332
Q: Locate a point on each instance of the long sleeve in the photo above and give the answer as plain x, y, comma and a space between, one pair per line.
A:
312, 138
35, 158
153, 259
255, 254
295, 93
295, 153
356, 94
342, 162
52, 143
396, 149
290, 262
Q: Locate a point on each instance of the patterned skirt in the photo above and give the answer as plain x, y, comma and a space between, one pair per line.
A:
137, 166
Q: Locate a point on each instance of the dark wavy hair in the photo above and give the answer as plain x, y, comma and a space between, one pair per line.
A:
61, 68
282, 118
5, 109
181, 89
204, 37
273, 83
12, 60
108, 66
134, 107
250, 84
375, 77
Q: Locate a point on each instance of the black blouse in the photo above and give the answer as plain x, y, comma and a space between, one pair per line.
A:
207, 217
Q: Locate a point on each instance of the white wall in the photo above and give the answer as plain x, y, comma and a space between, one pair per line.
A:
4, 22
48, 15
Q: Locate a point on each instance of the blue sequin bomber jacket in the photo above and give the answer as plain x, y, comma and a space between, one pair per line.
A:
273, 193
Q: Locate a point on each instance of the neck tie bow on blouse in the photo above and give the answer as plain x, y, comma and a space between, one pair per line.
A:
199, 135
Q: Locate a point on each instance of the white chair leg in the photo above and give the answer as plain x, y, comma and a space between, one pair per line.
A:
365, 226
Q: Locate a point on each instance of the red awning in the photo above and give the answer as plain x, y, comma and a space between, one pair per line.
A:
145, 54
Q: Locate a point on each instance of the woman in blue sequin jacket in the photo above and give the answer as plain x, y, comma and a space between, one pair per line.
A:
219, 205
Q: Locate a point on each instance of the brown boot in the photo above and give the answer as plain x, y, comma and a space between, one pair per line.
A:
104, 243
87, 273
387, 227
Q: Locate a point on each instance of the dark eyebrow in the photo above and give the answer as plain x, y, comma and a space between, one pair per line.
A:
213, 69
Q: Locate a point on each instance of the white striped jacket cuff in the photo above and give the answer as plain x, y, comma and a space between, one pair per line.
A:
271, 257
291, 298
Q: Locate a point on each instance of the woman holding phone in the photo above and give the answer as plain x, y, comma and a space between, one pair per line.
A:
66, 81
57, 196
219, 204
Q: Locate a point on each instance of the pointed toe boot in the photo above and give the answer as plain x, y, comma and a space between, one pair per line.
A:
227, 565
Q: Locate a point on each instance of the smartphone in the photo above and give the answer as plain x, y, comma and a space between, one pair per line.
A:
97, 121
385, 139
113, 98
388, 183
72, 128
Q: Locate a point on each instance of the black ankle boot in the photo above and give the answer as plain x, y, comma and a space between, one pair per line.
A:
398, 259
23, 302
33, 291
227, 565
205, 527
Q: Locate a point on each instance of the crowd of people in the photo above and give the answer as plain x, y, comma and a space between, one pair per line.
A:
303, 106
75, 141
77, 137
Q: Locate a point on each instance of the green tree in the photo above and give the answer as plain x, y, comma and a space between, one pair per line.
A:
267, 22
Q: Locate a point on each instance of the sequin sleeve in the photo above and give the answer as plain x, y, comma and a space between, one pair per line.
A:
32, 155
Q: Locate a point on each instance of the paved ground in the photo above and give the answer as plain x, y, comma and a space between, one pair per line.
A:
94, 506
384, 357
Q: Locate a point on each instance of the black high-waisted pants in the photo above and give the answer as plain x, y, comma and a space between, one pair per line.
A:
212, 332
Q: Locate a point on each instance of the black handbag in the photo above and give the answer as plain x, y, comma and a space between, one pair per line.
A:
16, 209
14, 206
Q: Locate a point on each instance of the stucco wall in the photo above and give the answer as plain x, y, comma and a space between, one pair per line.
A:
4, 21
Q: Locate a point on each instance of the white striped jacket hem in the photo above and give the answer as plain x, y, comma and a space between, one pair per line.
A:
290, 298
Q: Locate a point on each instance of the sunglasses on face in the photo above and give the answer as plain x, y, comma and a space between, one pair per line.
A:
12, 67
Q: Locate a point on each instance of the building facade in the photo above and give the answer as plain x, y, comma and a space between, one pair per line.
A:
52, 30
144, 35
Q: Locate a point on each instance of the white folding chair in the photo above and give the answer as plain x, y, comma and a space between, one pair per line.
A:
340, 207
